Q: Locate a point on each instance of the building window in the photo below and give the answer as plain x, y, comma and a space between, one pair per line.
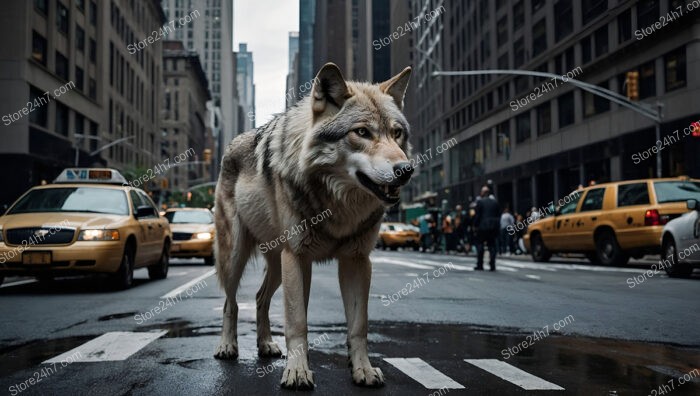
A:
80, 4
601, 41
42, 6
92, 51
624, 26
62, 17
39, 115
537, 4
61, 66
61, 119
92, 89
502, 31
647, 13
592, 9
566, 109
539, 37
647, 81
586, 52
79, 78
502, 137
93, 132
79, 38
563, 19
522, 127
595, 104
544, 119
519, 52
79, 128
518, 15
675, 69
38, 48
93, 13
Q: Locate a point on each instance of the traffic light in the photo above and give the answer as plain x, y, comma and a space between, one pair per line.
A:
207, 155
633, 85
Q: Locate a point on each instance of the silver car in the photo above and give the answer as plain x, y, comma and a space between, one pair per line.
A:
680, 242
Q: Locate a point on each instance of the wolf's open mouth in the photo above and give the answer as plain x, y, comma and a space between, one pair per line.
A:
386, 192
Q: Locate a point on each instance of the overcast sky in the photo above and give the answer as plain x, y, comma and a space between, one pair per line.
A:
265, 26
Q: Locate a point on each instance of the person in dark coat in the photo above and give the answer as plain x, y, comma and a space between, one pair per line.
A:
487, 223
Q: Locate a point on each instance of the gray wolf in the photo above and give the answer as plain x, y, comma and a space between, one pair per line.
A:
342, 150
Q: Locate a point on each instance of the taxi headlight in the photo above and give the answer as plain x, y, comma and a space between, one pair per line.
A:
99, 235
203, 235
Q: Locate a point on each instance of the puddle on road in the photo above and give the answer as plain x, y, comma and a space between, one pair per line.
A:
587, 363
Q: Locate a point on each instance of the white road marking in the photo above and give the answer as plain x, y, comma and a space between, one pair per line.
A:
533, 276
424, 373
175, 292
513, 374
439, 264
400, 262
22, 282
113, 346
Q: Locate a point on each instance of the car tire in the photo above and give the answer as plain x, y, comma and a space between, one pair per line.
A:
540, 253
676, 269
160, 269
593, 257
609, 251
416, 247
124, 277
382, 244
209, 260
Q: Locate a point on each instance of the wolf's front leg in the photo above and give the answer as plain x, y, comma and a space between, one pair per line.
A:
355, 275
296, 279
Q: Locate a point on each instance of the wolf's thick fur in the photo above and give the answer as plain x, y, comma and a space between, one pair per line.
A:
343, 150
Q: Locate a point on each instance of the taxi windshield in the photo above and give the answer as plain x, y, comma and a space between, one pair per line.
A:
189, 217
73, 199
676, 191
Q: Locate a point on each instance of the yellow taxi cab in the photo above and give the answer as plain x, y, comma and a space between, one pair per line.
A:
89, 220
395, 235
612, 221
193, 233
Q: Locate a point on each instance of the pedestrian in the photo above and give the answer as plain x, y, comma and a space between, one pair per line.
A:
448, 232
424, 225
487, 224
459, 227
434, 234
507, 221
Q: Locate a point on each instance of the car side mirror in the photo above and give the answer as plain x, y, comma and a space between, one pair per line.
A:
144, 211
693, 204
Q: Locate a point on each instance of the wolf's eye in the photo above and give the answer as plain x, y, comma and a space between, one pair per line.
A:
398, 132
362, 132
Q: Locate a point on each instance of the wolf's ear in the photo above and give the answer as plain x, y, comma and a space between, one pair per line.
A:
329, 88
396, 86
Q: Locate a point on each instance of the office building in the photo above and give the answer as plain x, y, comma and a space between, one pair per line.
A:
246, 87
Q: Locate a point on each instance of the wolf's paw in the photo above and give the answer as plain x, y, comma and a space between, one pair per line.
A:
226, 351
269, 349
368, 376
297, 377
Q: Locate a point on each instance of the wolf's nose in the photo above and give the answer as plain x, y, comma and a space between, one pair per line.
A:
403, 172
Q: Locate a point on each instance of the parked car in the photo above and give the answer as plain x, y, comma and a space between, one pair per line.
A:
396, 235
680, 242
87, 221
193, 233
612, 221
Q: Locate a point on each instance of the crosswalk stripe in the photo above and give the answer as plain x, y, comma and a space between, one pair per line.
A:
400, 262
424, 373
112, 346
17, 283
513, 374
175, 292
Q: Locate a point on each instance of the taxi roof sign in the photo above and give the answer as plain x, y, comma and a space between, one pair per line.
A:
91, 175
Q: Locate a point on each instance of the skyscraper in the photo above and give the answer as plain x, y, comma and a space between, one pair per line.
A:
307, 16
246, 87
291, 94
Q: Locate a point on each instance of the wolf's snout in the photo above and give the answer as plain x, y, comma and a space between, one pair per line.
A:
403, 172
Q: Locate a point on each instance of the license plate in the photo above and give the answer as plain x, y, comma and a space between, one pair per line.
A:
175, 248
36, 258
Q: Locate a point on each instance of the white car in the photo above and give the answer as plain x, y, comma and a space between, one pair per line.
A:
680, 242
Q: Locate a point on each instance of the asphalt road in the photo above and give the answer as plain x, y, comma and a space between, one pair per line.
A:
566, 326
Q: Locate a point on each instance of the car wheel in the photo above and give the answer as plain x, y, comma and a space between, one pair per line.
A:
209, 260
124, 277
416, 247
540, 253
382, 244
609, 251
676, 269
160, 269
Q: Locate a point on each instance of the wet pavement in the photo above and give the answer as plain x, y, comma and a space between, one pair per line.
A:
41, 322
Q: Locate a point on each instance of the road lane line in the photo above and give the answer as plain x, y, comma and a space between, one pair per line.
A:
424, 373
533, 276
402, 263
112, 346
175, 292
513, 374
17, 283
